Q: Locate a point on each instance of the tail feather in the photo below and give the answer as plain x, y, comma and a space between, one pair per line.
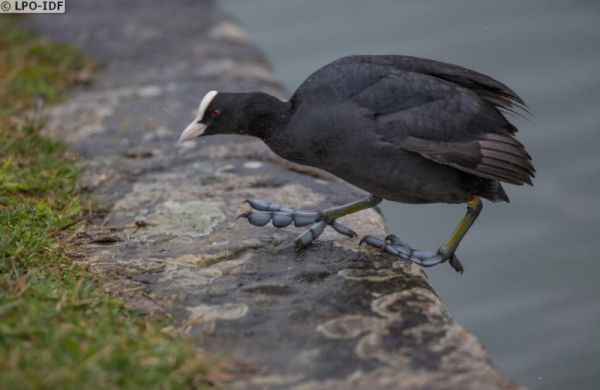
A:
494, 192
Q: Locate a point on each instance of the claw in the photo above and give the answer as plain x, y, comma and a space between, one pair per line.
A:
396, 241
392, 249
373, 241
243, 215
343, 229
455, 263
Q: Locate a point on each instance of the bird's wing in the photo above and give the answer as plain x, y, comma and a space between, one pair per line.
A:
495, 157
488, 88
446, 123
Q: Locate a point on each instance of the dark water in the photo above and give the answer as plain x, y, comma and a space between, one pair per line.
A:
531, 289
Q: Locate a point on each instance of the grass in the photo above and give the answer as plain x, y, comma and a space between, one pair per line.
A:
58, 330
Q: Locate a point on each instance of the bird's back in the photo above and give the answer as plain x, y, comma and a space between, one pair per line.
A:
439, 120
486, 86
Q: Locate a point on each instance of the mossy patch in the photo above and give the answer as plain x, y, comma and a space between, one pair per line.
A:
32, 68
58, 329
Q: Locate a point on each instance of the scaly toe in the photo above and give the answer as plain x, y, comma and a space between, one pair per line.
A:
281, 217
343, 229
257, 218
262, 205
397, 241
396, 247
305, 239
370, 240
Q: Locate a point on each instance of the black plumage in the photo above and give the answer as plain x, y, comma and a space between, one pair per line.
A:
401, 128
442, 112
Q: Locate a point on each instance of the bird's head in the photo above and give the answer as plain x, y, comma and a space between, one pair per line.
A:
235, 113
215, 116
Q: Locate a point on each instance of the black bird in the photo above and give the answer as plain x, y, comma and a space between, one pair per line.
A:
401, 128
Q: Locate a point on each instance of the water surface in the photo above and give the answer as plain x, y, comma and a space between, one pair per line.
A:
530, 291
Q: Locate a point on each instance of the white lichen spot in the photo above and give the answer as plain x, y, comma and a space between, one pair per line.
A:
149, 91
253, 164
186, 145
189, 276
228, 266
409, 268
349, 327
103, 111
225, 168
230, 31
252, 243
220, 243
159, 132
426, 301
227, 311
172, 87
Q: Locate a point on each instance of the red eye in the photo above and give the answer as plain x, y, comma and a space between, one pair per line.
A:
215, 113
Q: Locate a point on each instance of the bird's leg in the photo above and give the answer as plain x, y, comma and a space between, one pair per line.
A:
284, 216
394, 246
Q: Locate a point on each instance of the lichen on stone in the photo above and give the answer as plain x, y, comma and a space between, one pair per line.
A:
227, 311
194, 219
182, 276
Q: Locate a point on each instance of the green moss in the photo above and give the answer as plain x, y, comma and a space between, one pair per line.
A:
58, 330
32, 68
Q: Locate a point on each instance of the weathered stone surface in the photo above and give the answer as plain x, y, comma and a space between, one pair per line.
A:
331, 317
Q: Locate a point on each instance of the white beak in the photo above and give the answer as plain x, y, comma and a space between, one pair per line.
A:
192, 131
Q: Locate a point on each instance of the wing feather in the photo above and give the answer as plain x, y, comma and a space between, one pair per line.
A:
500, 159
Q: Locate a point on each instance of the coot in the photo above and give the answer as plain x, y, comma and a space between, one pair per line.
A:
401, 128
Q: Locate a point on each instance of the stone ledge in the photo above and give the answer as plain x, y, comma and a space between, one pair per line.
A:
331, 317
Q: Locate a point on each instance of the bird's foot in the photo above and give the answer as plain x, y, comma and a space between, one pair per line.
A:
283, 216
395, 246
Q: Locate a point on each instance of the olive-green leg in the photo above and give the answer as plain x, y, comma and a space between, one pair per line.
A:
394, 246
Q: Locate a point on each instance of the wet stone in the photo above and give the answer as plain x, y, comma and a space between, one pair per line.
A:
269, 289
334, 316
